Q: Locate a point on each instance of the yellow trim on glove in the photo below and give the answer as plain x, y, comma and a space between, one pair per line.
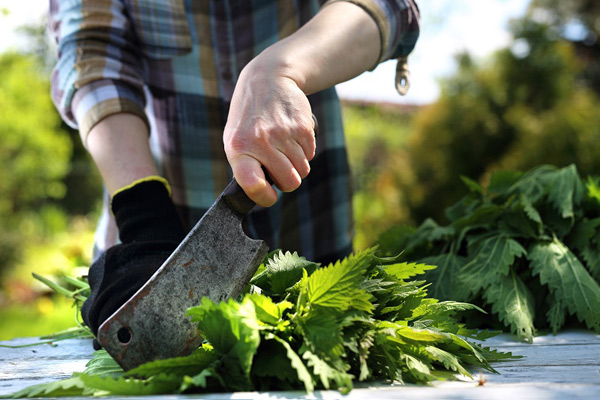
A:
146, 179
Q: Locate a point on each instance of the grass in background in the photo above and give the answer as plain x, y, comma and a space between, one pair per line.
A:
27, 307
44, 316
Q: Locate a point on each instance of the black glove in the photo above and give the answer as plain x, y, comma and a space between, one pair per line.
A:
150, 229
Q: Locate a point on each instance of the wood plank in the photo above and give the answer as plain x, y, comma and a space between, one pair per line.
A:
555, 367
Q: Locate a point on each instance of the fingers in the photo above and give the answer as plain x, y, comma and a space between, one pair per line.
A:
251, 178
283, 151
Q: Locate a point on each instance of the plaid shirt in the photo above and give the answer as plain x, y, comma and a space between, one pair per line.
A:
175, 64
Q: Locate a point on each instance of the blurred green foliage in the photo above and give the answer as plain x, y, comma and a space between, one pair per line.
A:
375, 135
523, 107
34, 155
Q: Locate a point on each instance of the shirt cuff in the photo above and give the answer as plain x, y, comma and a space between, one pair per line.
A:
99, 99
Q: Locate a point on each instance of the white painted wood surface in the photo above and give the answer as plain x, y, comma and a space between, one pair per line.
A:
565, 366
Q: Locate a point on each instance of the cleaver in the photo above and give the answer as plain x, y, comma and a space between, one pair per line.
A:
216, 259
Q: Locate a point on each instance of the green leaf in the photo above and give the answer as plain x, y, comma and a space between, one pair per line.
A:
405, 270
296, 362
103, 364
502, 180
593, 189
568, 279
443, 278
490, 263
322, 332
230, 327
591, 256
532, 184
421, 335
328, 373
514, 303
448, 360
418, 369
267, 311
565, 190
272, 363
67, 387
484, 215
158, 384
473, 186
338, 286
285, 270
556, 315
190, 365
583, 233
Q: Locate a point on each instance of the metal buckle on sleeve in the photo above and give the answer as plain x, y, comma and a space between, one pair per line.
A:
402, 76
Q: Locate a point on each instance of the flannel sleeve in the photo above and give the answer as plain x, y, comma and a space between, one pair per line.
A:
398, 23
99, 72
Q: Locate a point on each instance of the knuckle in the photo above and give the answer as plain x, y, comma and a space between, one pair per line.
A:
290, 184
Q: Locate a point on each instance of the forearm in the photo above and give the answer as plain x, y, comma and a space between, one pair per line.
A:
339, 43
119, 146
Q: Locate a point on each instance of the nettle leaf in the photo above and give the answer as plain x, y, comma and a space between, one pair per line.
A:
473, 186
285, 270
446, 308
190, 365
158, 384
556, 315
322, 332
405, 270
443, 278
271, 362
593, 189
501, 181
484, 215
532, 184
448, 360
568, 279
103, 364
338, 285
267, 311
490, 263
591, 256
67, 387
231, 328
584, 232
296, 362
514, 303
565, 190
328, 373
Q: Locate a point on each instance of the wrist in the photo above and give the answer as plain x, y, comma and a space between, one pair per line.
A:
277, 62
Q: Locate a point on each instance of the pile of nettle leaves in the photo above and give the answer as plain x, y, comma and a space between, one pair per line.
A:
527, 247
303, 327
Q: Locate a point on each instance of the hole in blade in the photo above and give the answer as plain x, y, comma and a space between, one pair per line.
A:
124, 335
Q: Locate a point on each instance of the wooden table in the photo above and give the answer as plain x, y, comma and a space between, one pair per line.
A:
565, 366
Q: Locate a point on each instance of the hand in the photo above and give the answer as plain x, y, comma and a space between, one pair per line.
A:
269, 124
150, 230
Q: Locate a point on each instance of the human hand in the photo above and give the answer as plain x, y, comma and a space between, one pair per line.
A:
269, 125
150, 230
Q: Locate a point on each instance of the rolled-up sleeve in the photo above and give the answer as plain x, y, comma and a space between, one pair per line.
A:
99, 72
398, 23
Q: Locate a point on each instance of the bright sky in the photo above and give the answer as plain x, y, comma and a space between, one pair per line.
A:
447, 28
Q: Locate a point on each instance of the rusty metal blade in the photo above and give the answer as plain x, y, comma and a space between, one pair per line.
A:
216, 259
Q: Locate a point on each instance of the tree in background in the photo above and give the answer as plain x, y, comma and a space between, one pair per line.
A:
34, 153
525, 106
579, 22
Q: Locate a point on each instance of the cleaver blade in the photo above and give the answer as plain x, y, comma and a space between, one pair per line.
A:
216, 259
